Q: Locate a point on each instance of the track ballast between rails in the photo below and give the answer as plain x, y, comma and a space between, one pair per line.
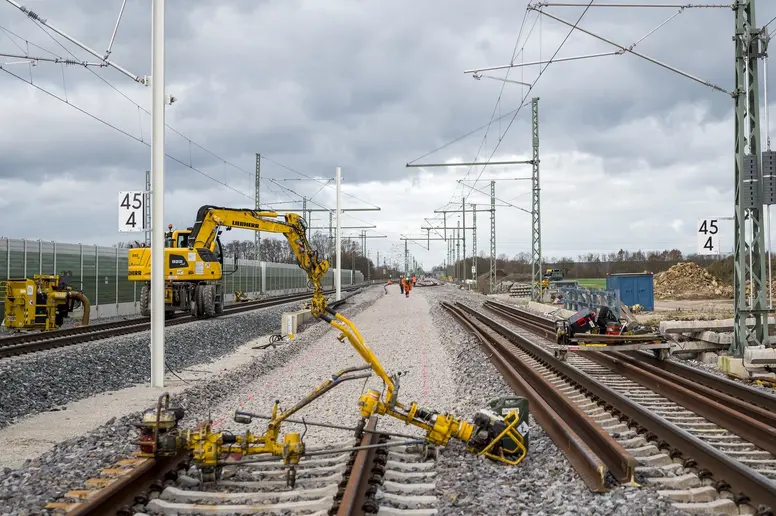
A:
722, 430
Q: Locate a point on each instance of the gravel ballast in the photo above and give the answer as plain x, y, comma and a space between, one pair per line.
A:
544, 483
47, 380
25, 491
446, 370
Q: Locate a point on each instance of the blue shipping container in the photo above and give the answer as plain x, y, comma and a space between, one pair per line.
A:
635, 289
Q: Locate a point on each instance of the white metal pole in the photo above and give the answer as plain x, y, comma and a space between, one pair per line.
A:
338, 237
157, 195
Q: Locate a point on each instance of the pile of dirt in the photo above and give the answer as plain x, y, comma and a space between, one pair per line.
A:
773, 290
686, 280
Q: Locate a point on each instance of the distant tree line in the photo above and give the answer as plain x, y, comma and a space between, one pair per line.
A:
594, 265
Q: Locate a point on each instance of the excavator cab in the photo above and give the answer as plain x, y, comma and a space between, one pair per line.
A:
177, 239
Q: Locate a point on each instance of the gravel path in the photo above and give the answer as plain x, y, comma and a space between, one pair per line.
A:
544, 483
24, 491
404, 342
47, 380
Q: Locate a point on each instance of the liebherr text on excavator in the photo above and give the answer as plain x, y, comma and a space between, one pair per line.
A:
499, 432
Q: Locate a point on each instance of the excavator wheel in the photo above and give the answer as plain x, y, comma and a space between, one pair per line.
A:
199, 297
193, 308
198, 302
219, 304
209, 300
145, 301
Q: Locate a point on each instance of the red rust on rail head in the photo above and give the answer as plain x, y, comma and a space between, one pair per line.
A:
589, 466
355, 491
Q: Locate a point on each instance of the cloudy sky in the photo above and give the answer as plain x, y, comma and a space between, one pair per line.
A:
631, 154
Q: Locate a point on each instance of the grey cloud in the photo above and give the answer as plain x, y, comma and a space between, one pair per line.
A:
364, 86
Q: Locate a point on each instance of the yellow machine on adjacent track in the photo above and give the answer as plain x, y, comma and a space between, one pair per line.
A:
41, 303
498, 432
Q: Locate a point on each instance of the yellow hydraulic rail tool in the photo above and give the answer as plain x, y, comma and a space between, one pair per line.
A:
499, 432
42, 303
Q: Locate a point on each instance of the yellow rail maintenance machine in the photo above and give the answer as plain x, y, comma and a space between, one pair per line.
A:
43, 302
499, 432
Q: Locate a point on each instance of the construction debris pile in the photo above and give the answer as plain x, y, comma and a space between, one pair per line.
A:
767, 295
686, 280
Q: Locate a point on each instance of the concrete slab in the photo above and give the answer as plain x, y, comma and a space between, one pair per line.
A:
696, 346
544, 308
290, 321
719, 325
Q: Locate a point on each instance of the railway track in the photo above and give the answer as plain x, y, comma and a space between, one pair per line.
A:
39, 341
705, 442
361, 475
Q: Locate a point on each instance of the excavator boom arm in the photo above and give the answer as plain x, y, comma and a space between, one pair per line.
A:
205, 230
492, 430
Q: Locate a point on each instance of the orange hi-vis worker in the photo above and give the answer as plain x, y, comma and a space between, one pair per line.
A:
414, 279
407, 284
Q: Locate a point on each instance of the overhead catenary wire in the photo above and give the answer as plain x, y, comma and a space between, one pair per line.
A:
118, 129
313, 179
144, 110
140, 108
497, 105
531, 87
8, 31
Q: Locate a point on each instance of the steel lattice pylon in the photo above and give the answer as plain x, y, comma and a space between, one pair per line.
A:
406, 259
257, 236
474, 242
492, 273
748, 179
536, 222
463, 236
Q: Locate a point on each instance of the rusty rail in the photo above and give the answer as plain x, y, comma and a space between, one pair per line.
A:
122, 493
586, 445
753, 404
700, 378
355, 493
747, 483
538, 324
40, 341
753, 430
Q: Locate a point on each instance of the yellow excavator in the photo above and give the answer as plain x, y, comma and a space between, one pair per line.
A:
194, 260
499, 431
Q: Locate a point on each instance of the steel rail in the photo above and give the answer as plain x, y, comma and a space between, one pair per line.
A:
33, 342
753, 430
745, 400
585, 461
538, 324
747, 483
718, 383
355, 491
730, 402
121, 493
